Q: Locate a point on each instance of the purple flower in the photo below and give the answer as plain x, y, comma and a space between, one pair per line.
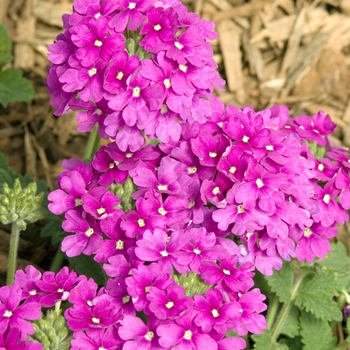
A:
214, 312
184, 334
95, 41
93, 339
315, 128
101, 203
131, 14
122, 66
138, 335
140, 281
202, 247
313, 241
159, 29
156, 246
26, 280
87, 238
236, 278
57, 287
145, 217
72, 186
11, 340
250, 305
14, 315
117, 242
100, 315
168, 303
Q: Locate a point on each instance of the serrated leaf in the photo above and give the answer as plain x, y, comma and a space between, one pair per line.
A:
290, 325
5, 47
281, 282
316, 296
263, 342
14, 87
337, 259
86, 265
292, 343
316, 333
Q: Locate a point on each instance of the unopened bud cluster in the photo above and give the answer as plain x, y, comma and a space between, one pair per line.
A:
20, 205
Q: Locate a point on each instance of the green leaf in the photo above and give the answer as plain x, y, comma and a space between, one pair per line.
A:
14, 87
260, 281
291, 323
53, 229
263, 342
292, 343
281, 282
5, 47
316, 333
86, 265
337, 259
316, 296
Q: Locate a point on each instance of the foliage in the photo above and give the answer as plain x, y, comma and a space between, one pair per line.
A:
13, 86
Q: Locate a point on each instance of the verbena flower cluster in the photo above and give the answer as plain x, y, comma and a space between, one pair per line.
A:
181, 224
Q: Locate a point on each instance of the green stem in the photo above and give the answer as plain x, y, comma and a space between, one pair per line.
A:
271, 313
286, 307
57, 260
342, 346
93, 143
13, 253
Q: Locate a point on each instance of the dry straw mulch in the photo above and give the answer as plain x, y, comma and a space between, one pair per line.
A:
293, 52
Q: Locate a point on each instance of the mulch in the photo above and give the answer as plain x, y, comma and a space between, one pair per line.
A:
292, 52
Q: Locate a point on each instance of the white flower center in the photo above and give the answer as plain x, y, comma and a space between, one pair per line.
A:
216, 190
157, 27
215, 313
162, 211
269, 148
167, 83
162, 187
98, 43
226, 272
92, 72
188, 335
327, 198
240, 209
136, 91
232, 170
90, 303
178, 45
259, 183
101, 210
128, 155
169, 304
132, 5
97, 15
33, 292
95, 320
7, 313
196, 251
320, 167
119, 244
120, 75
191, 204
126, 299
245, 138
164, 253
183, 68
149, 336
212, 154
89, 232
192, 170
163, 109
307, 232
141, 222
